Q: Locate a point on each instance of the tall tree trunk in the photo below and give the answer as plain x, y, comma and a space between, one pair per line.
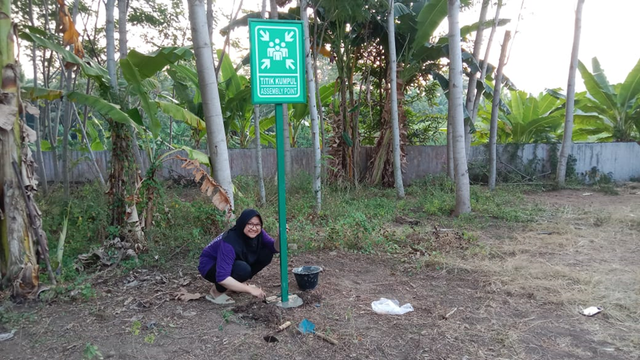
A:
485, 61
450, 162
473, 78
285, 116
210, 20
323, 147
21, 235
40, 161
397, 166
495, 109
463, 197
313, 109
256, 128
565, 150
216, 140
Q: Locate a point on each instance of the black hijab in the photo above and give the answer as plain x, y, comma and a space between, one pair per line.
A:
246, 248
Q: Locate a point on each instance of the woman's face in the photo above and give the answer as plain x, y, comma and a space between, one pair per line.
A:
253, 227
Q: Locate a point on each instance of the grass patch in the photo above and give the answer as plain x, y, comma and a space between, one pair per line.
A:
352, 218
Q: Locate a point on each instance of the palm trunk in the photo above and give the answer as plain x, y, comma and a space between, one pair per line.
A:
463, 198
571, 95
313, 109
216, 140
285, 117
450, 162
34, 53
319, 99
473, 78
485, 61
256, 127
495, 108
397, 168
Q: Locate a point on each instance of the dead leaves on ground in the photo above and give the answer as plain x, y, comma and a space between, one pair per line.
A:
185, 296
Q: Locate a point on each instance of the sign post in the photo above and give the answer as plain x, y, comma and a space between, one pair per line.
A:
278, 77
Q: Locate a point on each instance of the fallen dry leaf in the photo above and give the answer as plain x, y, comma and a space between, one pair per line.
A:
184, 295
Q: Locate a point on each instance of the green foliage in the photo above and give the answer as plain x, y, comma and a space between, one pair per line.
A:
532, 119
91, 352
612, 111
87, 222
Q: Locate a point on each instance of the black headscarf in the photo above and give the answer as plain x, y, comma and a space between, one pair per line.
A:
246, 248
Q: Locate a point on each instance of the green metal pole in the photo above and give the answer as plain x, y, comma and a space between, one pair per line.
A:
282, 206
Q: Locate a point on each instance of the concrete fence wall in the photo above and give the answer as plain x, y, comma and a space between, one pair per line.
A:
620, 159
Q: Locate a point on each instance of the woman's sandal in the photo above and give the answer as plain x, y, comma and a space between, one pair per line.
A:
223, 299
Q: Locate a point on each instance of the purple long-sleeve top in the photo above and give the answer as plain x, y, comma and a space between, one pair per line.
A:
220, 254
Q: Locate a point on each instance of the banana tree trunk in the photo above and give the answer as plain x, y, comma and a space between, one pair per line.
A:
463, 197
313, 109
20, 223
216, 140
495, 109
565, 150
397, 166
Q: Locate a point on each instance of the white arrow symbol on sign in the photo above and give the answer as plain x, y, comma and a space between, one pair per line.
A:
290, 64
288, 37
265, 35
266, 63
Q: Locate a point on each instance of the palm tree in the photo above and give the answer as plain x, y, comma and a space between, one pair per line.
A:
313, 109
463, 195
571, 93
397, 166
216, 139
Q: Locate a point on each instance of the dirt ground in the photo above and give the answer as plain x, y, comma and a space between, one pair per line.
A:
515, 292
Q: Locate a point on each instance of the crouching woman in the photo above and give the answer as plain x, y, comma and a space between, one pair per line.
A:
236, 256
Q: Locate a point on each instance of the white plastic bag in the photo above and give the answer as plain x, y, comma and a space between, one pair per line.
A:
390, 307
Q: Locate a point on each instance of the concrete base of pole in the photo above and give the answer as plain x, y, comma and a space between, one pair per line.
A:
294, 301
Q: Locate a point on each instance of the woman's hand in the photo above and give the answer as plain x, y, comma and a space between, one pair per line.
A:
257, 292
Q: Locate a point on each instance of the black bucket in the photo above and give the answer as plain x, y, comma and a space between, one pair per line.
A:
307, 277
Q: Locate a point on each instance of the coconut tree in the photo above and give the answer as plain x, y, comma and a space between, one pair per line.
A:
463, 196
216, 139
571, 93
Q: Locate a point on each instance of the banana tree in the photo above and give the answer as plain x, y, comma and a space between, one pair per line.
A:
530, 119
22, 240
614, 110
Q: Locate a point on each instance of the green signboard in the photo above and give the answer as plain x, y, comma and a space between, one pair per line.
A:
277, 62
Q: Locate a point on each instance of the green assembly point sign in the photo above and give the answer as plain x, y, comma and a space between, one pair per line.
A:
277, 62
